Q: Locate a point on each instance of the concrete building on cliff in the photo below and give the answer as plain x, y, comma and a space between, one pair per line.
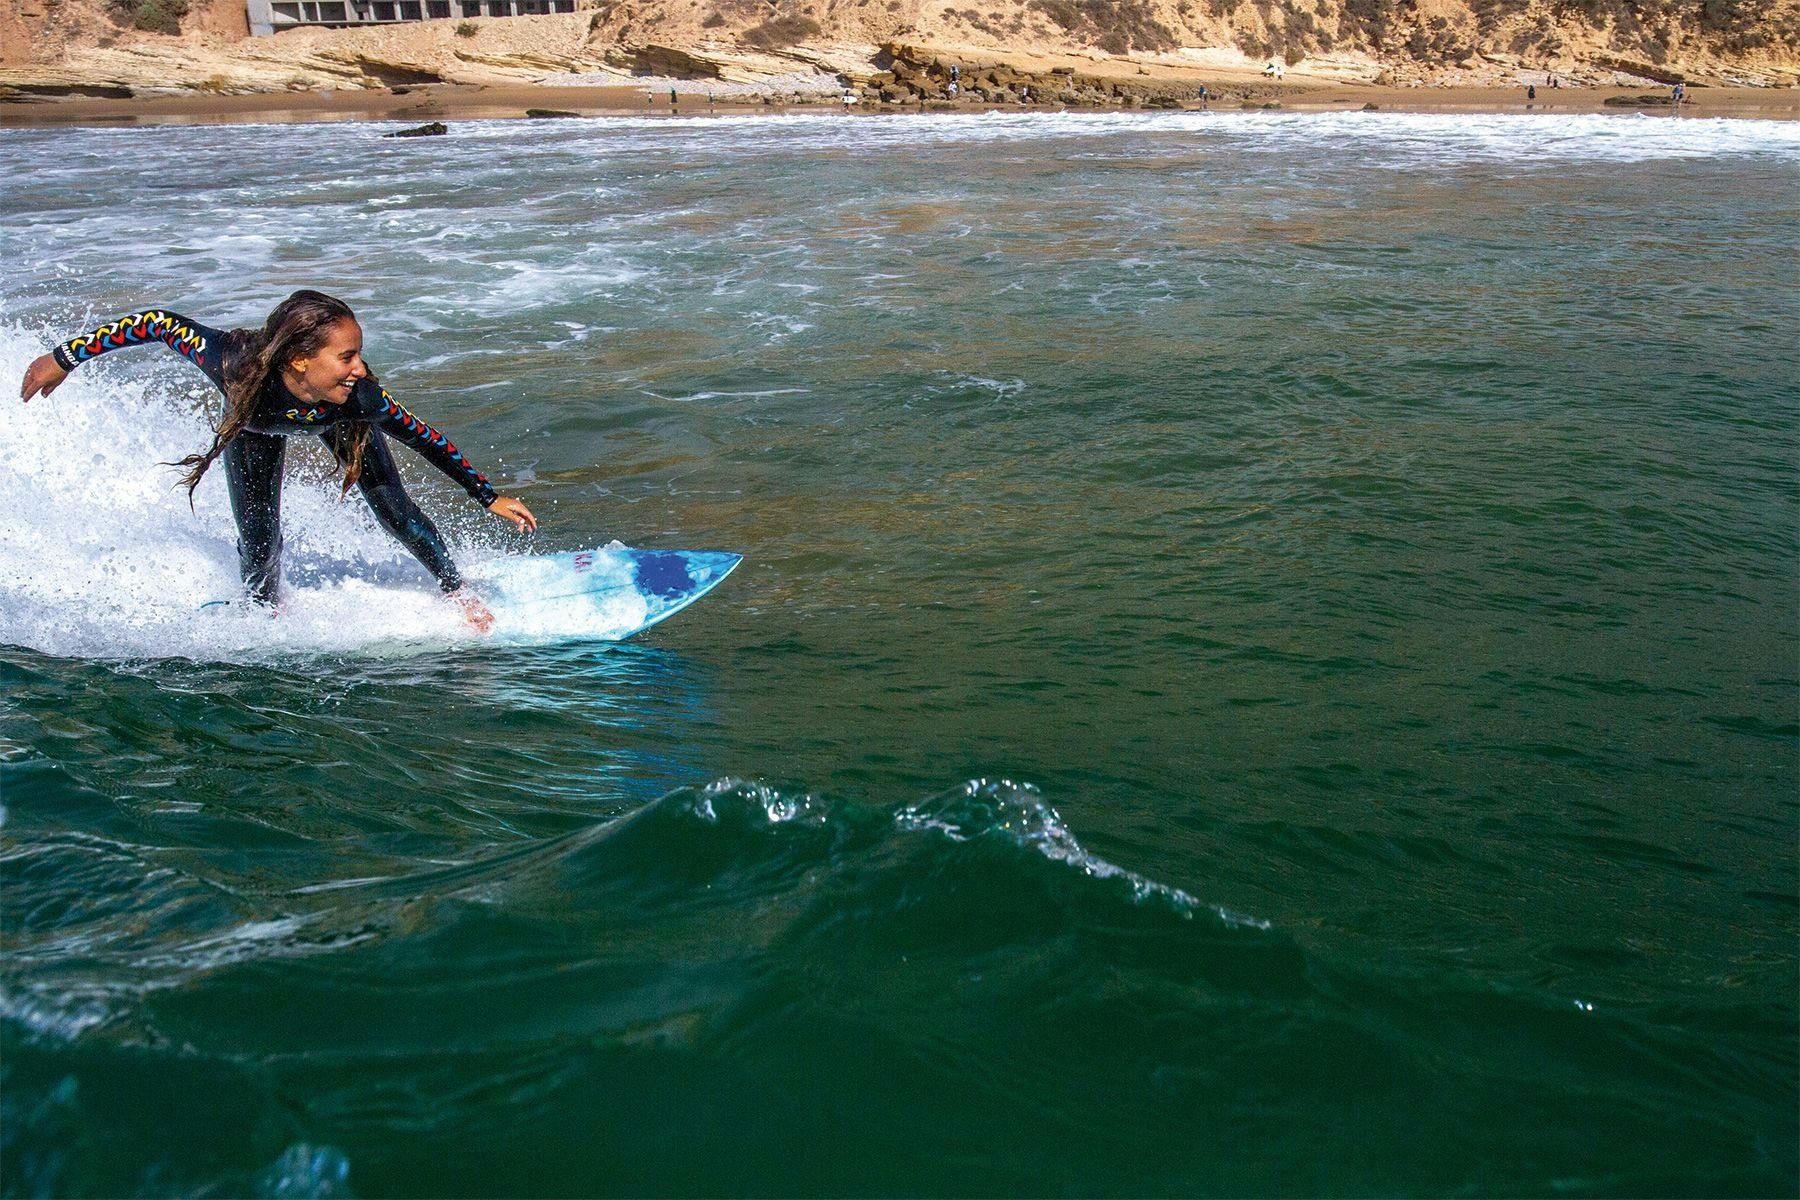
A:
272, 16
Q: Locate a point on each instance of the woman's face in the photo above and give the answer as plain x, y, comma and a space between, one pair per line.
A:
329, 373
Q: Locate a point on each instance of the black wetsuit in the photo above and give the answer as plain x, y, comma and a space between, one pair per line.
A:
253, 459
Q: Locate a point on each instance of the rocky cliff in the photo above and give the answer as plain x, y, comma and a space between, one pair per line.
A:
1086, 49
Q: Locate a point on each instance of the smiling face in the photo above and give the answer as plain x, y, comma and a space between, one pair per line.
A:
329, 373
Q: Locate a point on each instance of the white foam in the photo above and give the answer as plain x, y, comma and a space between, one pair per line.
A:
1431, 139
1017, 811
572, 148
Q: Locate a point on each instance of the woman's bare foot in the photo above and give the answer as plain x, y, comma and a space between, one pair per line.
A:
477, 614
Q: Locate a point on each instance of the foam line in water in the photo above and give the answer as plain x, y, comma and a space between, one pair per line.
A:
1424, 139
1432, 139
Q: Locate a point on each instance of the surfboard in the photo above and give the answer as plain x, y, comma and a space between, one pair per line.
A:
615, 592
609, 594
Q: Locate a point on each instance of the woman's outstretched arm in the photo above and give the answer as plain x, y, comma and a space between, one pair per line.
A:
388, 416
200, 344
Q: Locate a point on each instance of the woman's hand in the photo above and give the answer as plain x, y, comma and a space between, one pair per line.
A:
476, 613
509, 509
42, 377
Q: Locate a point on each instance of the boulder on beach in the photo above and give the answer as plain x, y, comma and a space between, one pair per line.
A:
429, 130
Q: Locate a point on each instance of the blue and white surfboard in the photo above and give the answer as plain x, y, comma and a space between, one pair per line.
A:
608, 594
611, 593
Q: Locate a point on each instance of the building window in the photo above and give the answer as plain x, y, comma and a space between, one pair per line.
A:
437, 8
565, 5
290, 11
471, 8
333, 11
409, 10
384, 12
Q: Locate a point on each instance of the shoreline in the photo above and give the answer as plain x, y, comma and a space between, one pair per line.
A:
464, 102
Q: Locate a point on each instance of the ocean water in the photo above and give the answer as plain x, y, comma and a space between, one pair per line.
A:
1267, 662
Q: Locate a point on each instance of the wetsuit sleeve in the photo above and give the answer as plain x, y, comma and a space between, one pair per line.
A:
436, 449
200, 344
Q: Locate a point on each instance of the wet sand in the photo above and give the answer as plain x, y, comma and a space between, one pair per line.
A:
452, 102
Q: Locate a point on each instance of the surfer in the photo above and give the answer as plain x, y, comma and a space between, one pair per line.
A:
302, 372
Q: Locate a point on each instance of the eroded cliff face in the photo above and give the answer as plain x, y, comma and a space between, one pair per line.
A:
1759, 39
101, 46
33, 31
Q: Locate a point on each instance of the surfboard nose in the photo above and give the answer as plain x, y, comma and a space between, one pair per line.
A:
716, 564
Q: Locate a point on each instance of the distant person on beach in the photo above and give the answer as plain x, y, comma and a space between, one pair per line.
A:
1203, 95
301, 373
1531, 91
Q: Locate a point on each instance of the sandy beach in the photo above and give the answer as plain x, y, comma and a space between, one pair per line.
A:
452, 102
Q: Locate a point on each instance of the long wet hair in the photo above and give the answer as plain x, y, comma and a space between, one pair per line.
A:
296, 328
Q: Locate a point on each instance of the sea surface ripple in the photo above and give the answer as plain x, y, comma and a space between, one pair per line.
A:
1267, 662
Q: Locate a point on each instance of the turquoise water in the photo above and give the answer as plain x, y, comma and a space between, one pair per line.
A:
1267, 662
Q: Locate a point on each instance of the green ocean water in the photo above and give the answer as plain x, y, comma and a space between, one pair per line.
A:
1267, 663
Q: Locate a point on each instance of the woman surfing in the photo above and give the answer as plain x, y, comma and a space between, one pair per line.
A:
302, 372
